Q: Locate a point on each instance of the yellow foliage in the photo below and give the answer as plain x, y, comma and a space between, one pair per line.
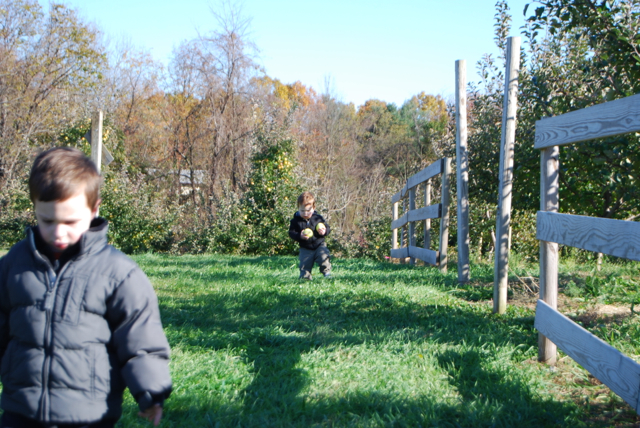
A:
291, 94
432, 106
371, 106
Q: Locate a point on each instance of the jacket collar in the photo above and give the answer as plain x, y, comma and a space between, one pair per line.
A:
92, 241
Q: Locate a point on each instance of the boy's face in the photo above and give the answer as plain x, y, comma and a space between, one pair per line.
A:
306, 211
62, 223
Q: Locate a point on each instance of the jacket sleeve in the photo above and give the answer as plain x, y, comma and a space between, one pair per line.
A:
141, 345
294, 230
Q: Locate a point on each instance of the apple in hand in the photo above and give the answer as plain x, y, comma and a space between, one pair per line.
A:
307, 233
321, 228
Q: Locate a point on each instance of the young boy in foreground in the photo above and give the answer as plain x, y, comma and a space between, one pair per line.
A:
79, 320
309, 228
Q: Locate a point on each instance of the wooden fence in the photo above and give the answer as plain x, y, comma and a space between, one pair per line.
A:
411, 215
614, 237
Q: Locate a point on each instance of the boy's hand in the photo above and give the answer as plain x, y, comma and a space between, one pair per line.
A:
321, 229
306, 234
152, 414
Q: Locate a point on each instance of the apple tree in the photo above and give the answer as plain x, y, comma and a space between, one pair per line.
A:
270, 199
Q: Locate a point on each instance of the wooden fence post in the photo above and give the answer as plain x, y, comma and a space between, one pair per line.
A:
412, 225
427, 222
403, 233
549, 201
462, 171
96, 139
444, 220
394, 236
503, 221
407, 250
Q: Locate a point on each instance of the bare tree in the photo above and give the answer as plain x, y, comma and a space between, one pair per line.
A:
211, 90
47, 65
135, 102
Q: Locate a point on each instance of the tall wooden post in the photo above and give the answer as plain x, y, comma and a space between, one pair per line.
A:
394, 233
462, 171
549, 201
503, 221
96, 139
444, 219
403, 234
427, 222
412, 225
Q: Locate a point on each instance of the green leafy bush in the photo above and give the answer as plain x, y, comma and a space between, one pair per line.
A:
16, 212
523, 235
345, 245
139, 219
228, 231
270, 200
372, 240
610, 289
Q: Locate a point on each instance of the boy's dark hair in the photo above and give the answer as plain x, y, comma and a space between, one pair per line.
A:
306, 198
58, 173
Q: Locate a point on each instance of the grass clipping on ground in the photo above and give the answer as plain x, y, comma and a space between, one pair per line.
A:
379, 345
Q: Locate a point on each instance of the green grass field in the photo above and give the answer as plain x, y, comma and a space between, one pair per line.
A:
380, 345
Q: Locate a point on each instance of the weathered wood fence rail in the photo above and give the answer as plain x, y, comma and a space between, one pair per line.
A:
411, 215
614, 237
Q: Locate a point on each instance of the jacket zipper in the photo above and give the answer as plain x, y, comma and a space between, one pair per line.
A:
49, 304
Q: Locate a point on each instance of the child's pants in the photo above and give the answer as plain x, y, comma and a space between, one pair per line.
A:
320, 256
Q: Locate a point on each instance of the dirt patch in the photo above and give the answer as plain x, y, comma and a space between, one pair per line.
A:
602, 314
525, 292
585, 312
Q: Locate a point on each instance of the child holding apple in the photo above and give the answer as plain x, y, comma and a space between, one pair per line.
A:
309, 228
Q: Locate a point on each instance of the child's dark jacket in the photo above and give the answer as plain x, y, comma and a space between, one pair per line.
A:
70, 342
298, 224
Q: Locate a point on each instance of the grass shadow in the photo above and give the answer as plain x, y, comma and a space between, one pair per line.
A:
272, 328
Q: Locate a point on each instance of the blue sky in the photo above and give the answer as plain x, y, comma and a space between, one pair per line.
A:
384, 49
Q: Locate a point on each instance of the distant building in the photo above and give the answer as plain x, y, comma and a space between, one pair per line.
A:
184, 178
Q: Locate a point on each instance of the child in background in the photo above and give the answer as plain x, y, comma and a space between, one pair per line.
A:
79, 320
309, 228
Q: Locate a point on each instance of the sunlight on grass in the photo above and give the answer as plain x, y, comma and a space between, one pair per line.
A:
379, 345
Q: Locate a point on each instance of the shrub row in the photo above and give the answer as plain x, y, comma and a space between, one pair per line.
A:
141, 220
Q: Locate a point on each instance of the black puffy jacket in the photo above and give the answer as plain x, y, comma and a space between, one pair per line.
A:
298, 224
70, 342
